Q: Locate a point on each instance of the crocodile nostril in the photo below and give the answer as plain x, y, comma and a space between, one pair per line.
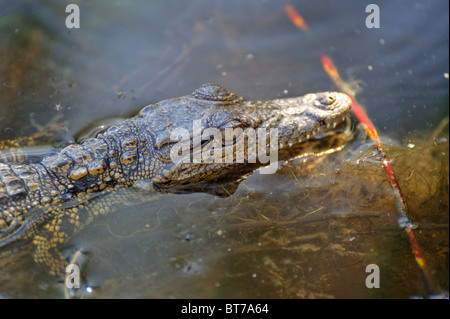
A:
327, 99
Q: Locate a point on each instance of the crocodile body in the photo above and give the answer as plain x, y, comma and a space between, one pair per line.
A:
48, 201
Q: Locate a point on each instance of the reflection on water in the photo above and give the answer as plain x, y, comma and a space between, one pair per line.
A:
306, 232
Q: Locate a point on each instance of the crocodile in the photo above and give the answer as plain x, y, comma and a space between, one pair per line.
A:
47, 201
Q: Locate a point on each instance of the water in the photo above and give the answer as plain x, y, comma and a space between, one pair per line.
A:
308, 231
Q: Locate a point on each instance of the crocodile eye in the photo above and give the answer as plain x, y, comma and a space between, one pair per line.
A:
242, 122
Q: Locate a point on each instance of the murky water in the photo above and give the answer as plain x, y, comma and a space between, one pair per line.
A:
308, 231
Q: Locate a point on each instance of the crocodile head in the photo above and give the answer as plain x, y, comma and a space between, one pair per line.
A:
206, 135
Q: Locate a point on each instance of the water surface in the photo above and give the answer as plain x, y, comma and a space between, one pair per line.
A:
307, 231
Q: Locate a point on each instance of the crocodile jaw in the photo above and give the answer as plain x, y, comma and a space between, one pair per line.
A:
302, 118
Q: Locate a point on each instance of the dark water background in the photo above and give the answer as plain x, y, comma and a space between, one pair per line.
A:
256, 243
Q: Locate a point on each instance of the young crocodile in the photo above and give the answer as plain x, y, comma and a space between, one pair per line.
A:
47, 202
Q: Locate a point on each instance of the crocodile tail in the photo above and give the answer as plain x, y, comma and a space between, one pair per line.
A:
59, 177
23, 189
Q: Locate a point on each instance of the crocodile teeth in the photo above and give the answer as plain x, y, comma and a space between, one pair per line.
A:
307, 136
334, 124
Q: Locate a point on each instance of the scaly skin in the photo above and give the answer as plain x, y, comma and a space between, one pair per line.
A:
47, 202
